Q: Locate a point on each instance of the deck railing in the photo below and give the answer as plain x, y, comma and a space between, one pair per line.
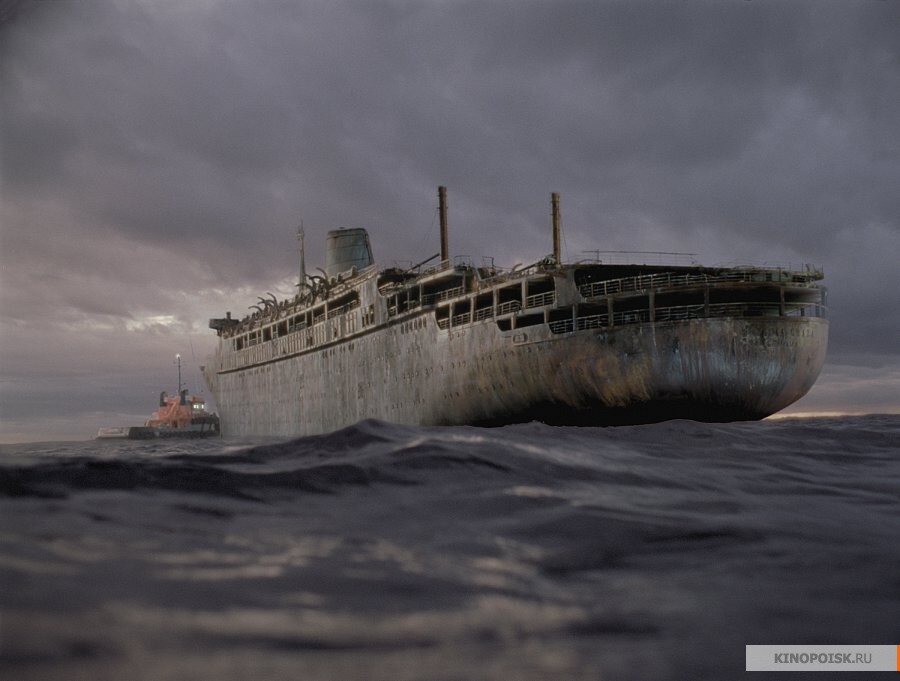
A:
509, 306
541, 299
680, 280
461, 319
343, 309
440, 296
683, 312
484, 313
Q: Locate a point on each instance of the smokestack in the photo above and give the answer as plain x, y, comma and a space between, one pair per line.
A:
442, 208
346, 249
554, 205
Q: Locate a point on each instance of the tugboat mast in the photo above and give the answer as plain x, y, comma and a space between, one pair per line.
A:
178, 362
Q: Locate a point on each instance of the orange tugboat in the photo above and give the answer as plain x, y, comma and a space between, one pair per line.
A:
183, 415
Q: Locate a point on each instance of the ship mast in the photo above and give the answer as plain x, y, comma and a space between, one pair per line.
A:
302, 258
442, 209
554, 212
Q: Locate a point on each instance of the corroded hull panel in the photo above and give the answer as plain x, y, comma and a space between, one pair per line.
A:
417, 373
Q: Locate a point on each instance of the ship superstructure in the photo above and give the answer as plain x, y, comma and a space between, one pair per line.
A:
584, 343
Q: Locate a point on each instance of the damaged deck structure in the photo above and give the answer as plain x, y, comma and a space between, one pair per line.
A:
584, 343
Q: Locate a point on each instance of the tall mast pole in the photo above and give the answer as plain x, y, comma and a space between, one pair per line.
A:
554, 211
442, 209
302, 258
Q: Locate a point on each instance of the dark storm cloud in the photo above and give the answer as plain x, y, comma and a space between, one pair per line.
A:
157, 157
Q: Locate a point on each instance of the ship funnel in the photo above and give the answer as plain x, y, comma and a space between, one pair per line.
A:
442, 209
554, 210
345, 249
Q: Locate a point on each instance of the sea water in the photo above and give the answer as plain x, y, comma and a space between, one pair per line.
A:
394, 552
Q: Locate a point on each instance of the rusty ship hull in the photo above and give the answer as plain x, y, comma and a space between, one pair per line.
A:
722, 370
567, 344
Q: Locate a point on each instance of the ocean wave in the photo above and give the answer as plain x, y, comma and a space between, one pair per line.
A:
525, 552
373, 452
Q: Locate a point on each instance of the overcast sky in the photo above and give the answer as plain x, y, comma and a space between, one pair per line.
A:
158, 156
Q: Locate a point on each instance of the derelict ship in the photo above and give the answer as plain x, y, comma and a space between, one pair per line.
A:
583, 343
